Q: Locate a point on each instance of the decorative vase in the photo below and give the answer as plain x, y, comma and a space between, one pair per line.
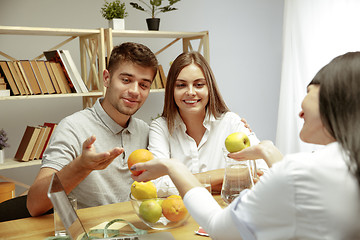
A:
2, 156
153, 24
117, 24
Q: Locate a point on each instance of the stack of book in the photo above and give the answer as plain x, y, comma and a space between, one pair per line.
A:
56, 75
160, 79
3, 90
34, 142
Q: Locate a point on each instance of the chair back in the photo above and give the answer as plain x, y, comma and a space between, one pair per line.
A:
14, 208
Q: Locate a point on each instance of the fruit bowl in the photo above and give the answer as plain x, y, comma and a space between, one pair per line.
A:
158, 213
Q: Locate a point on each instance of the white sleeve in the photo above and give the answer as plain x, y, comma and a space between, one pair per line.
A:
217, 222
159, 139
159, 146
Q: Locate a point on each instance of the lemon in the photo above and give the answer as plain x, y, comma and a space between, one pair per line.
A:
143, 190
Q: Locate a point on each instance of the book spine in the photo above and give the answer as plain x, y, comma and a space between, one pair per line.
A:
77, 75
5, 71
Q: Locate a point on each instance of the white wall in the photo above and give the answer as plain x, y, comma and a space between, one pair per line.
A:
245, 54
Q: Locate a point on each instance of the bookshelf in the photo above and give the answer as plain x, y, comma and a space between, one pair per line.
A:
185, 37
94, 46
91, 41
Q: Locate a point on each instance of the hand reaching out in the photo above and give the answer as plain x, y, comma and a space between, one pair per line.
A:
91, 160
264, 150
246, 124
153, 169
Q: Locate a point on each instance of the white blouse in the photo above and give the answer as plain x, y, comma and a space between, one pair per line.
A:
208, 155
305, 196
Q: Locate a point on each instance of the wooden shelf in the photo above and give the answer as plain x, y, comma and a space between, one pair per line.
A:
94, 46
40, 31
89, 94
91, 41
157, 34
185, 37
11, 163
157, 90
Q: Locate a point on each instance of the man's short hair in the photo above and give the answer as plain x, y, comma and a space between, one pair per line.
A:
132, 52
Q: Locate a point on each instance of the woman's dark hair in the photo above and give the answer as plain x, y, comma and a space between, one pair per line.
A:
216, 105
339, 101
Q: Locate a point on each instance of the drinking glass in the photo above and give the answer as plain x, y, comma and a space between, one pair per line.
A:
238, 177
59, 228
205, 180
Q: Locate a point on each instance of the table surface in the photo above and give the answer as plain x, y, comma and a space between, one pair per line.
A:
43, 226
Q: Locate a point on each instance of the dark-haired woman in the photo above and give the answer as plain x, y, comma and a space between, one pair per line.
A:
304, 195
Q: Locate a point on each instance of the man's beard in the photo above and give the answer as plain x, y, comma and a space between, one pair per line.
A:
125, 110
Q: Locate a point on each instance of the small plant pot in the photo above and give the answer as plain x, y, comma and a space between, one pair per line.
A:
153, 24
117, 24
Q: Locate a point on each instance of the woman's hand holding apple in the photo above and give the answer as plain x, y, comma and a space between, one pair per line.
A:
264, 150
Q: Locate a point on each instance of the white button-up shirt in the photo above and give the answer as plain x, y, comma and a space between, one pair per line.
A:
305, 196
208, 155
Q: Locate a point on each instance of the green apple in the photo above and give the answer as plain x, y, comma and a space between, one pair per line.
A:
150, 210
236, 142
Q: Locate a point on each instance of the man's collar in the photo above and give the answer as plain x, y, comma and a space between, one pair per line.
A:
109, 122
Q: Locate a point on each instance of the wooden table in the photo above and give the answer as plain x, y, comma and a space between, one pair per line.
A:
41, 227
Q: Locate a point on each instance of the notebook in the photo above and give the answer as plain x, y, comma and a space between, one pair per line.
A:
72, 222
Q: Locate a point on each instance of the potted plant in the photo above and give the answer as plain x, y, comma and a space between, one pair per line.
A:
3, 144
153, 7
115, 12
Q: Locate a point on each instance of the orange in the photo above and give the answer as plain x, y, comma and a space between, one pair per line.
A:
173, 208
139, 155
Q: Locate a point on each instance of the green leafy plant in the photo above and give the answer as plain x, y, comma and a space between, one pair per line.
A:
114, 9
154, 6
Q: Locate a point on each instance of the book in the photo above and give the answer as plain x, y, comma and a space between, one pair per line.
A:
5, 71
46, 76
157, 80
70, 72
16, 77
72, 67
153, 84
30, 76
37, 143
52, 127
42, 143
55, 56
60, 77
38, 76
5, 93
162, 76
3, 84
27, 143
22, 75
52, 77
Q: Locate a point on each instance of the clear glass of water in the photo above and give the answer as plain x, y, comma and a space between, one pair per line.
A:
205, 180
59, 228
238, 177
